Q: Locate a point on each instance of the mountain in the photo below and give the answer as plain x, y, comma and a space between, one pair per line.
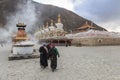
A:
38, 14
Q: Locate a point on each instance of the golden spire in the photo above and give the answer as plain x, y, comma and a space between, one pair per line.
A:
46, 25
59, 18
51, 22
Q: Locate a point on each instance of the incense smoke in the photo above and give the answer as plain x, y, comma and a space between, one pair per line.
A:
25, 14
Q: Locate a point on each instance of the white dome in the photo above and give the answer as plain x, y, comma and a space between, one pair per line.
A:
59, 26
42, 31
46, 30
52, 28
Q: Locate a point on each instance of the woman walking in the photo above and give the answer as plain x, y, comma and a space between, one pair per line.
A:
53, 53
43, 56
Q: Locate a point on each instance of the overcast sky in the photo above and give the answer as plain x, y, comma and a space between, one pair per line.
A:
105, 13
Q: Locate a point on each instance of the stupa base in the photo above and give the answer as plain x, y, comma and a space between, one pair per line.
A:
20, 57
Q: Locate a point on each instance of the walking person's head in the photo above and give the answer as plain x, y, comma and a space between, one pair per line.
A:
44, 44
53, 45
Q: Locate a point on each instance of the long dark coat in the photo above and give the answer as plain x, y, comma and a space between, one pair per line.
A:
53, 53
43, 56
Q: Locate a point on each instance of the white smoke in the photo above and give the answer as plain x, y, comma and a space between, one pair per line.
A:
5, 37
25, 14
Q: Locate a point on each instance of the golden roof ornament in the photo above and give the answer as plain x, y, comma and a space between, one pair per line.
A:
51, 22
21, 25
59, 18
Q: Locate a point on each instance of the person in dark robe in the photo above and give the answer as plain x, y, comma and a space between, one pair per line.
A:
49, 46
53, 53
43, 56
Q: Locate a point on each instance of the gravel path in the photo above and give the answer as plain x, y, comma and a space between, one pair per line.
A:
75, 63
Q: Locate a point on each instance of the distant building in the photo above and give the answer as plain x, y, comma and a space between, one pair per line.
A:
96, 38
53, 33
84, 28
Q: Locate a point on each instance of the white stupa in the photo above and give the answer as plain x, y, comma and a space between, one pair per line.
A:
43, 31
59, 25
51, 27
46, 28
51, 31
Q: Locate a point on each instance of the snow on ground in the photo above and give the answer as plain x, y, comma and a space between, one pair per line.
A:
75, 63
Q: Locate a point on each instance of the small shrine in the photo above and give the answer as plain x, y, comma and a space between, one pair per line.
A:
21, 34
22, 47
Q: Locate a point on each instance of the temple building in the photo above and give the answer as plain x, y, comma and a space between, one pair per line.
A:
86, 35
22, 47
85, 27
96, 38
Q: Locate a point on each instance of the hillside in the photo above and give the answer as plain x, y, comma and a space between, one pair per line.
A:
38, 14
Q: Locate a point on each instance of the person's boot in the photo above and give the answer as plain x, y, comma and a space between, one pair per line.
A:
53, 70
44, 67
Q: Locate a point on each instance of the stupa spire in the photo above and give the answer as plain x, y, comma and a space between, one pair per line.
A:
59, 18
